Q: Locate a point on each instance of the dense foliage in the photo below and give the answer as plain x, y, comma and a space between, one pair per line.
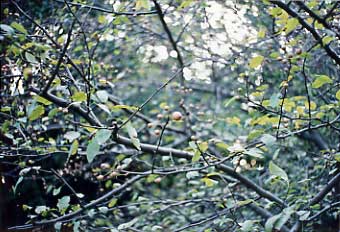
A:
170, 115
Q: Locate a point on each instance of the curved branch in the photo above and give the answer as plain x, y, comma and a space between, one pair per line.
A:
307, 26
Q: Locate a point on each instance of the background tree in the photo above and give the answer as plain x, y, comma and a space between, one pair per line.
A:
170, 115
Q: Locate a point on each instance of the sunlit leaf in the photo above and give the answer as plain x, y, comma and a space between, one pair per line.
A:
19, 27
337, 95
79, 96
321, 80
256, 61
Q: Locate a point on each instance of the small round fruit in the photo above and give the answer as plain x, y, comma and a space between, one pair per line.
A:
157, 132
166, 108
100, 177
113, 174
299, 51
176, 116
243, 162
150, 125
159, 116
193, 138
158, 180
105, 166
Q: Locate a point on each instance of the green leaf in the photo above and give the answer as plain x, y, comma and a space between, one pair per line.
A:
57, 226
136, 143
256, 61
337, 95
268, 140
40, 209
254, 134
7, 29
30, 58
269, 226
131, 130
79, 96
292, 23
303, 214
184, 4
230, 101
262, 33
327, 39
73, 149
192, 174
92, 150
247, 226
102, 136
203, 147
102, 95
56, 191
63, 203
254, 152
321, 80
36, 113
72, 135
118, 107
18, 182
274, 100
245, 202
151, 178
19, 27
101, 19
196, 156
209, 182
284, 217
113, 202
42, 100
140, 4
277, 171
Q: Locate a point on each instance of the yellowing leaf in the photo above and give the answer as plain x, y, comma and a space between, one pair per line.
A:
203, 146
42, 100
19, 27
292, 23
337, 95
321, 80
275, 11
140, 4
113, 202
327, 39
262, 33
312, 105
196, 156
79, 96
209, 182
118, 107
101, 19
256, 61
